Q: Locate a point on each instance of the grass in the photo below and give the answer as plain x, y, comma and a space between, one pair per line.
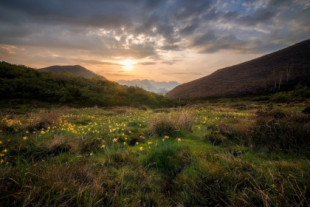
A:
217, 154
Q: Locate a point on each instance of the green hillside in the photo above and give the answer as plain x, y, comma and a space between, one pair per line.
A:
21, 82
73, 69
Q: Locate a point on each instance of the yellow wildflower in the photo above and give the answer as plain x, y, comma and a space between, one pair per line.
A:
25, 138
91, 154
149, 142
5, 150
141, 148
137, 143
115, 140
103, 146
179, 139
166, 137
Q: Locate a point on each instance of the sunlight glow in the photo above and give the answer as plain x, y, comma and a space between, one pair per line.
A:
127, 64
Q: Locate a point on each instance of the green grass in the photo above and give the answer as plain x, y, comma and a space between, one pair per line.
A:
122, 157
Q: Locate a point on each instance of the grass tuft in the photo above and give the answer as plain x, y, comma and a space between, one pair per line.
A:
171, 124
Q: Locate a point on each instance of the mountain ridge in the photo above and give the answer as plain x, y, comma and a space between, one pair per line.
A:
160, 87
280, 70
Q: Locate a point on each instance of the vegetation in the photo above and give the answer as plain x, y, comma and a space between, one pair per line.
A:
241, 153
26, 84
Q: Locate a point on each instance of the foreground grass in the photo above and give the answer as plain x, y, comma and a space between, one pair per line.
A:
208, 155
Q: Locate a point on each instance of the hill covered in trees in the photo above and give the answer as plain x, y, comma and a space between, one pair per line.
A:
24, 83
73, 69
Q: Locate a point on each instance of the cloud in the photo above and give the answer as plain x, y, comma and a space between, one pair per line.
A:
69, 24
148, 29
97, 62
147, 63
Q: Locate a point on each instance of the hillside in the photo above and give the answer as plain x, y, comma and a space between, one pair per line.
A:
160, 87
282, 70
74, 69
24, 83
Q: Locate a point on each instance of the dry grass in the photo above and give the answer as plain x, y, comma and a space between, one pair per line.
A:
272, 130
171, 124
35, 121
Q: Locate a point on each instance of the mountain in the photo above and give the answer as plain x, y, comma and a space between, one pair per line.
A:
285, 69
151, 85
26, 84
74, 69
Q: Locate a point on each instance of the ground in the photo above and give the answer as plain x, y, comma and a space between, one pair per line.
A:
208, 154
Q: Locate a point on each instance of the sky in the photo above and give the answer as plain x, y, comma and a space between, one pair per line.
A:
163, 40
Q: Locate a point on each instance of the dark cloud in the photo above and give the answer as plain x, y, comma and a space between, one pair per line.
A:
184, 73
170, 62
145, 28
96, 62
147, 63
259, 16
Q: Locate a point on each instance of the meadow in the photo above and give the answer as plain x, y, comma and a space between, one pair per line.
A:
226, 153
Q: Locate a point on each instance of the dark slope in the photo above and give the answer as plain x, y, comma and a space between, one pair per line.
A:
74, 69
281, 70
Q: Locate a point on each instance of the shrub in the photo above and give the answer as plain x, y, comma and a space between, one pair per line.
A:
306, 110
203, 184
281, 97
273, 130
119, 157
89, 144
168, 158
215, 138
171, 125
33, 122
43, 120
223, 134
281, 130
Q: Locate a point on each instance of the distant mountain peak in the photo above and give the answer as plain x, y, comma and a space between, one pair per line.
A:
160, 87
77, 70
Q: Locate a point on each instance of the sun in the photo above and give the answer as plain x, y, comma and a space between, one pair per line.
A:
127, 64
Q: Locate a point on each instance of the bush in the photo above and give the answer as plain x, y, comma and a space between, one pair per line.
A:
291, 96
274, 130
168, 158
281, 97
215, 138
306, 110
89, 144
171, 125
203, 184
281, 130
224, 134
